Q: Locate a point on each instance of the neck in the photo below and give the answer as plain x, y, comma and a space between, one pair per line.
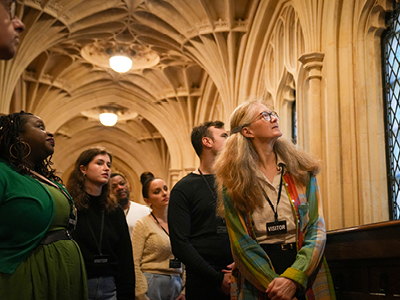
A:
161, 214
34, 159
30, 163
126, 206
206, 164
265, 152
92, 189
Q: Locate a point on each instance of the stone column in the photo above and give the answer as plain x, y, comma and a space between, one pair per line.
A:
310, 108
311, 114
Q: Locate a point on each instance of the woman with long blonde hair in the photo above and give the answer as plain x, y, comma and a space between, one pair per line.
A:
270, 198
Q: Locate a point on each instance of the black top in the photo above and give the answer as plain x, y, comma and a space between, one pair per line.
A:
193, 228
116, 246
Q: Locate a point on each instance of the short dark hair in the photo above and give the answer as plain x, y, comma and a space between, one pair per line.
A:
200, 131
117, 174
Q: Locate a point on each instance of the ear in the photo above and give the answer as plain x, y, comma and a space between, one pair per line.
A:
82, 168
207, 142
147, 201
246, 131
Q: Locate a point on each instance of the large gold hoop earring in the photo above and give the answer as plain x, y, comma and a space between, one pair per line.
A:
26, 146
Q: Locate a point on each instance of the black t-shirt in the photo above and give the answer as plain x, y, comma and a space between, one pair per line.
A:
196, 233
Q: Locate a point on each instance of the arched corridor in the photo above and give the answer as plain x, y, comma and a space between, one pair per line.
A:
196, 60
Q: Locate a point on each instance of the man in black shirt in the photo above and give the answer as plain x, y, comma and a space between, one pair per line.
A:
198, 237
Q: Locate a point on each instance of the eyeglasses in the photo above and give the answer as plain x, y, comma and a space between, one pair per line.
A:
267, 116
13, 8
264, 115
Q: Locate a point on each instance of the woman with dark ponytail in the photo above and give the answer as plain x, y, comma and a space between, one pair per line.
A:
158, 272
38, 258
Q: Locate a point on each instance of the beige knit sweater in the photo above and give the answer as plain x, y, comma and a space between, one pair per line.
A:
151, 253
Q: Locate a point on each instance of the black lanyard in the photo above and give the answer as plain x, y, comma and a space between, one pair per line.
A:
209, 187
159, 224
174, 260
279, 196
220, 229
98, 244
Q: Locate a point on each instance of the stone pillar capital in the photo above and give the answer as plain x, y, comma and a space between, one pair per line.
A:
313, 62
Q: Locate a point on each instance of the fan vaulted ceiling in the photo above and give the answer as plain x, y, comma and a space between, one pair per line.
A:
185, 55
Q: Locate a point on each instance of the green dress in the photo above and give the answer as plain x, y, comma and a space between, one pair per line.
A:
51, 272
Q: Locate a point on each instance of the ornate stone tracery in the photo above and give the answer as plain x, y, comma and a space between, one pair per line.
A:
324, 55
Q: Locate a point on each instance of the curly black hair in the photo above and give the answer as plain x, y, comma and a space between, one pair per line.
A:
10, 128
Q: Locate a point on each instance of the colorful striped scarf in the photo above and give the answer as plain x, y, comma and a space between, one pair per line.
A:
254, 270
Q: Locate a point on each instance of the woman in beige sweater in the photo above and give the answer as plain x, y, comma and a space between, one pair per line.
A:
158, 273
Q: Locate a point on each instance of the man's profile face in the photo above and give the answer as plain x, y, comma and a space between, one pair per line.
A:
120, 189
219, 138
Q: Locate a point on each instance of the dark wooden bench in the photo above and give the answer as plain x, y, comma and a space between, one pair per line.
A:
365, 261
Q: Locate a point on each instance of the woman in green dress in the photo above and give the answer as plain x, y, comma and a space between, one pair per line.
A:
38, 259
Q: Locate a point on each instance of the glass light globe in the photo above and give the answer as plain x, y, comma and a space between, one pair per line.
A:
108, 119
120, 64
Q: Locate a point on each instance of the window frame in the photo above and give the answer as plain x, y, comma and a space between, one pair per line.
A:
389, 93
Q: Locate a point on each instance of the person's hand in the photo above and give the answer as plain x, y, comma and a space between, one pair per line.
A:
181, 297
281, 288
226, 283
228, 268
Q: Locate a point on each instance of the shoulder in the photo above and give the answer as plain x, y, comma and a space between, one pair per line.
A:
142, 229
138, 207
10, 174
143, 222
310, 181
186, 189
117, 213
187, 178
313, 184
60, 185
226, 197
7, 169
190, 181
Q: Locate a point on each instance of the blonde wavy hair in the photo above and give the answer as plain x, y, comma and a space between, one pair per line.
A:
236, 166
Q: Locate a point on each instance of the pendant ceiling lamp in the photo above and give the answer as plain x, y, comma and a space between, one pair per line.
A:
120, 58
108, 118
120, 63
